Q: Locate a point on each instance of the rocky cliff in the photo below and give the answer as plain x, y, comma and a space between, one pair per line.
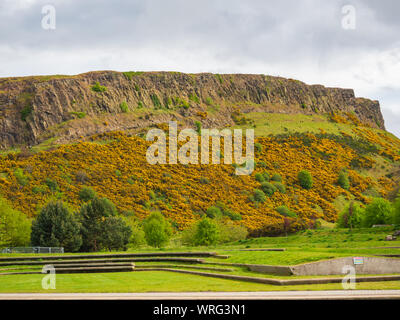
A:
33, 109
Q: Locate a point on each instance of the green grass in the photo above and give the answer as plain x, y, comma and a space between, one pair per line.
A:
155, 281
278, 123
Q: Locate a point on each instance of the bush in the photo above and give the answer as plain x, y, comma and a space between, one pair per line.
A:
86, 194
276, 177
15, 227
259, 196
25, 112
81, 176
227, 212
343, 180
198, 126
351, 217
157, 230
305, 179
285, 211
206, 233
258, 147
281, 188
21, 178
98, 88
230, 232
214, 212
52, 184
137, 237
259, 177
124, 107
268, 188
379, 211
55, 226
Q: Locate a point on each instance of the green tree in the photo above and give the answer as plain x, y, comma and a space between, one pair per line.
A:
343, 180
92, 217
86, 194
15, 227
379, 211
351, 216
305, 179
396, 210
206, 232
157, 230
55, 226
116, 233
137, 237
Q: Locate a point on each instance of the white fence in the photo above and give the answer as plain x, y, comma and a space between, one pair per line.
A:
34, 250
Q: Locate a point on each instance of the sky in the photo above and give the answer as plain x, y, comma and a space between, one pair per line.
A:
350, 44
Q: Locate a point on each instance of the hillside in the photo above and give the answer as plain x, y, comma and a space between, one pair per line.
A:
60, 133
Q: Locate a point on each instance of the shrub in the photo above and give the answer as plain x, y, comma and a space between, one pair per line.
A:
79, 114
266, 176
81, 176
209, 101
229, 231
281, 188
193, 97
268, 188
276, 177
86, 194
98, 88
204, 180
305, 179
285, 211
343, 180
259, 177
15, 227
157, 230
124, 107
198, 126
206, 233
55, 226
351, 217
156, 101
214, 212
379, 211
259, 196
258, 147
227, 212
137, 237
52, 184
22, 179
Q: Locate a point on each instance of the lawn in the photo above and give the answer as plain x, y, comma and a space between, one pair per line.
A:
156, 281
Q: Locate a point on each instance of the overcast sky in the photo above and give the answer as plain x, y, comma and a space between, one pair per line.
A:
304, 40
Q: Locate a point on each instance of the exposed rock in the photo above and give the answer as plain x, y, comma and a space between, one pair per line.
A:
33, 109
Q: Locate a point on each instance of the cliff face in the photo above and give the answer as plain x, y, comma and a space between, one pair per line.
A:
33, 109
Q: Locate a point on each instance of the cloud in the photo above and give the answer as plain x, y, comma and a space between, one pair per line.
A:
297, 39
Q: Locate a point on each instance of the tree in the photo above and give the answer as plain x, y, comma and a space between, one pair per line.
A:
116, 234
206, 232
305, 179
55, 226
379, 211
157, 230
343, 180
351, 217
137, 237
93, 216
15, 227
86, 194
396, 210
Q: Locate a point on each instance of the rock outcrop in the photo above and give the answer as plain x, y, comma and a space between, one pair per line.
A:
32, 109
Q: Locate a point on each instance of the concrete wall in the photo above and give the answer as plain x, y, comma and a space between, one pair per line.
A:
334, 267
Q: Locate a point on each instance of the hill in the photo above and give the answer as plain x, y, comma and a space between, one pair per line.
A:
60, 133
